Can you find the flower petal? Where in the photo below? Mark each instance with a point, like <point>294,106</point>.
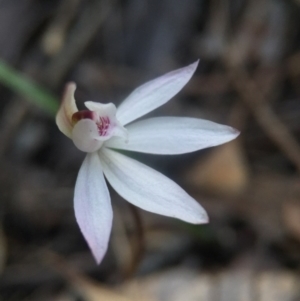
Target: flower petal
<point>101,109</point>
<point>67,109</point>
<point>153,94</point>
<point>92,206</point>
<point>86,137</point>
<point>149,189</point>
<point>173,135</point>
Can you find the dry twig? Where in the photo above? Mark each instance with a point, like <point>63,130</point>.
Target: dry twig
<point>275,129</point>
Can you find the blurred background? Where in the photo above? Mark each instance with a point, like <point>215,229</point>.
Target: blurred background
<point>248,77</point>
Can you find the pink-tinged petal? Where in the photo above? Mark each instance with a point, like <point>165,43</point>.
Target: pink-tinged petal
<point>154,94</point>
<point>85,136</point>
<point>67,109</point>
<point>173,135</point>
<point>148,189</point>
<point>92,206</point>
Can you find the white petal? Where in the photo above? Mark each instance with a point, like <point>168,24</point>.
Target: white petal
<point>102,109</point>
<point>92,206</point>
<point>173,135</point>
<point>86,137</point>
<point>153,94</point>
<point>67,109</point>
<point>149,189</point>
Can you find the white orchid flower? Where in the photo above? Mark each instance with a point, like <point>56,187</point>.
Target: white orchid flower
<point>103,129</point>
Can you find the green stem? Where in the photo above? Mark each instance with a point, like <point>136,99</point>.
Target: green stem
<point>23,86</point>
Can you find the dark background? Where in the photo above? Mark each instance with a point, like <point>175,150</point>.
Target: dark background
<point>248,77</point>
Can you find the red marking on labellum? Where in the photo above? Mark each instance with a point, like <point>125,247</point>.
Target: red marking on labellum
<point>103,125</point>
<point>86,114</point>
<point>103,122</point>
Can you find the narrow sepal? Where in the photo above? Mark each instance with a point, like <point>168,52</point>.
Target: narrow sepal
<point>154,94</point>
<point>173,135</point>
<point>92,206</point>
<point>148,189</point>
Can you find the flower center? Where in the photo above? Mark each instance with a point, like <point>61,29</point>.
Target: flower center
<point>103,122</point>
<point>103,125</point>
<point>92,127</point>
